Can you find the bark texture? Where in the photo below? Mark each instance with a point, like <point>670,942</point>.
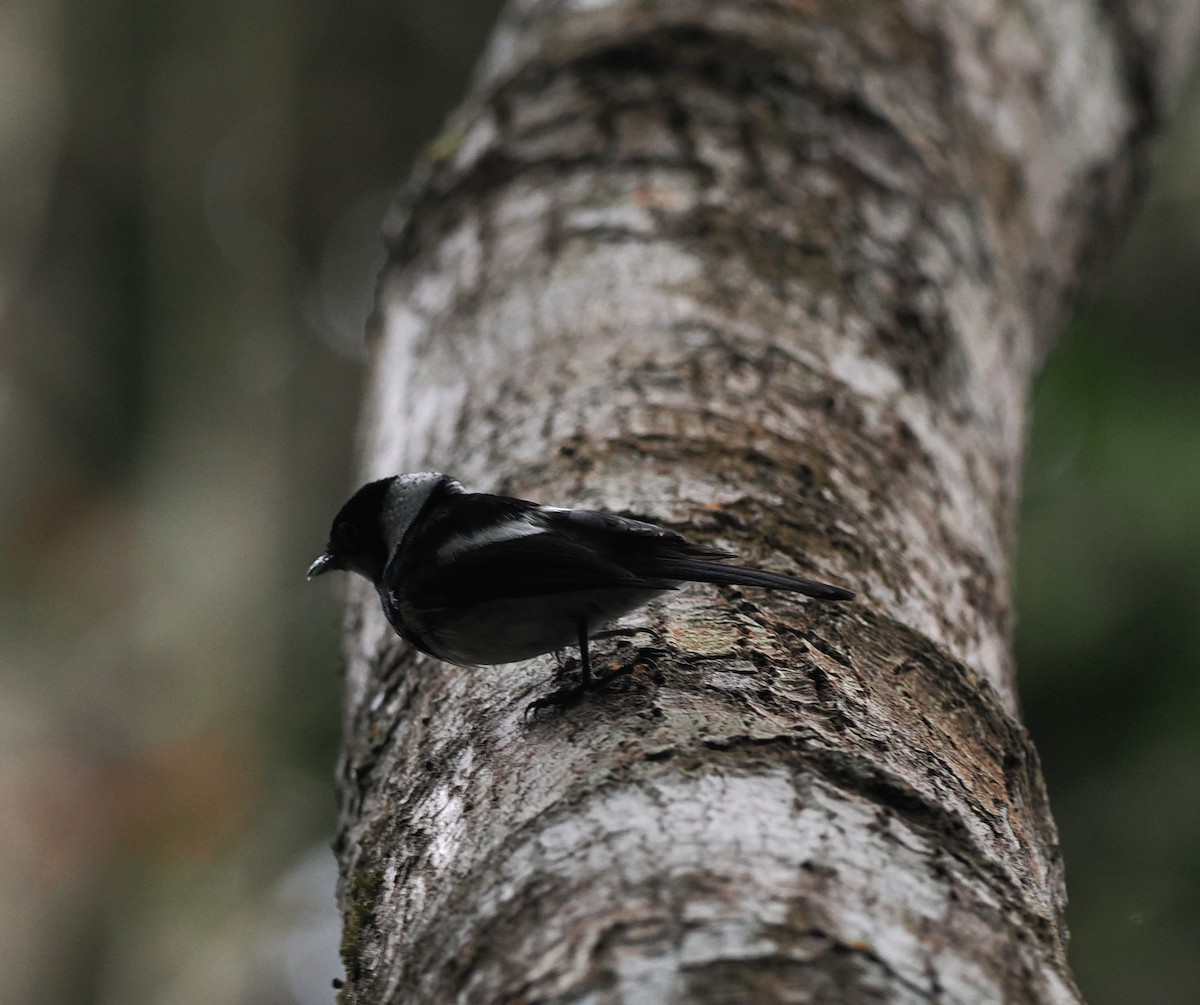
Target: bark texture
<point>778,275</point>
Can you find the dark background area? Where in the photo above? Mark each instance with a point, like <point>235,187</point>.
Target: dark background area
<point>189,203</point>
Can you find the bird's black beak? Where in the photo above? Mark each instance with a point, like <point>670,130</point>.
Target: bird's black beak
<point>323,563</point>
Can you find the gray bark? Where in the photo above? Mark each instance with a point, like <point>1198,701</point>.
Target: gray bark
<point>777,275</point>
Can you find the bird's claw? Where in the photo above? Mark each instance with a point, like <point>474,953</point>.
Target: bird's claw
<point>564,697</point>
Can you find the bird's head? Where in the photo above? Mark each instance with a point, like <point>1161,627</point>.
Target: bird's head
<point>371,525</point>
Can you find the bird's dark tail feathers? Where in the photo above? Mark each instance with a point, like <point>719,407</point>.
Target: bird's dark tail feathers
<point>738,575</point>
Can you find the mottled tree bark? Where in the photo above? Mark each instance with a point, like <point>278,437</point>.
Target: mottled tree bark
<point>778,275</point>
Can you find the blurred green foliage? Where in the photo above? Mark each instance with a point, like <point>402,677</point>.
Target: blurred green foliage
<point>1108,598</point>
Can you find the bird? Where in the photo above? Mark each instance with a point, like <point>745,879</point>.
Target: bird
<point>474,579</point>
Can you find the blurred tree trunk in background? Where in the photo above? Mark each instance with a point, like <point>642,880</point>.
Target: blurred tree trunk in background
<point>779,276</point>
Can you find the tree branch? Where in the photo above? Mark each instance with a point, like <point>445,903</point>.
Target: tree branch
<point>779,275</point>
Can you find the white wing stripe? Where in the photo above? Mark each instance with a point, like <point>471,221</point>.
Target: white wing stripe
<point>510,531</point>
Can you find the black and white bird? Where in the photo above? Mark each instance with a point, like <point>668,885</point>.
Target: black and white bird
<point>476,579</point>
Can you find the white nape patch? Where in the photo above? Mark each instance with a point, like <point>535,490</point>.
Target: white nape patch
<point>508,531</point>
<point>405,497</point>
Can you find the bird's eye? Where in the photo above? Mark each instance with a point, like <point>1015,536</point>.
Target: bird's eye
<point>346,536</point>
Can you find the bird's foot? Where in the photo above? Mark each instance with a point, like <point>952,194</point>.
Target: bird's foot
<point>572,694</point>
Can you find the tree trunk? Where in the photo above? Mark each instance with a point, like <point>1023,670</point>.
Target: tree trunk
<point>777,275</point>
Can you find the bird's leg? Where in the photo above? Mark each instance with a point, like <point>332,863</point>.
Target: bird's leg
<point>563,665</point>
<point>585,662</point>
<point>587,680</point>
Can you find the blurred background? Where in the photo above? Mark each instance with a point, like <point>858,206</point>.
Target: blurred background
<point>189,202</point>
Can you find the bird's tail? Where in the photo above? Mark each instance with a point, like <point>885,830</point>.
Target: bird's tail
<point>695,571</point>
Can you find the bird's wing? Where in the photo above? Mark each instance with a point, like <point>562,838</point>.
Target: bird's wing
<point>505,562</point>
<point>620,536</point>
<point>653,552</point>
